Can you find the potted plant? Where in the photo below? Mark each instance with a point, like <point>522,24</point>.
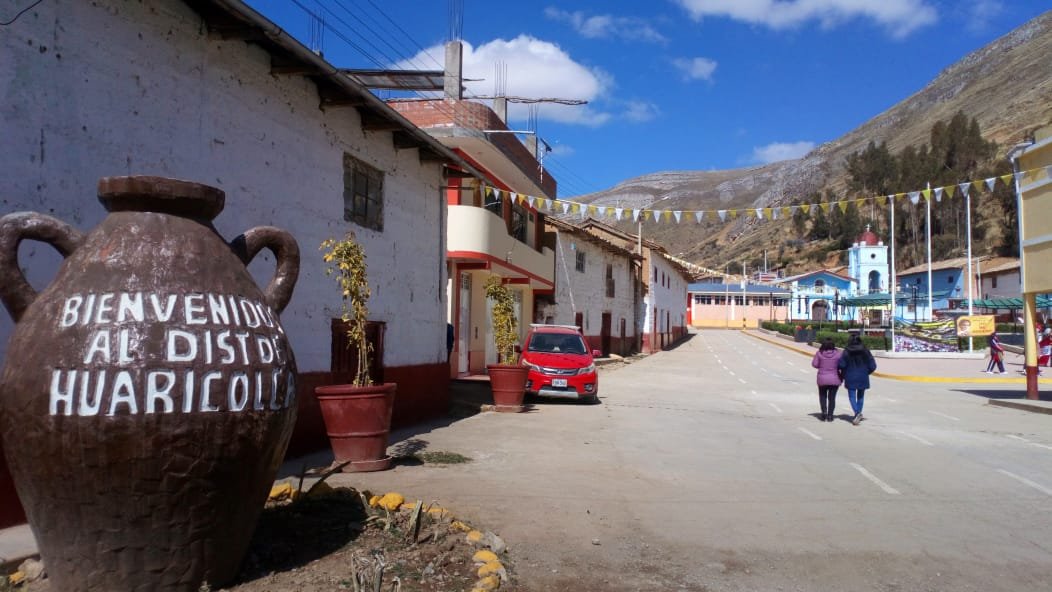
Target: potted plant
<point>357,415</point>
<point>507,377</point>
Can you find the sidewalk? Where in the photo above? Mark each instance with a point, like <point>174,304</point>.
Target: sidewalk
<point>960,368</point>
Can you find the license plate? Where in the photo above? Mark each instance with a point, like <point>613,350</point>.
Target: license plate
<point>558,382</point>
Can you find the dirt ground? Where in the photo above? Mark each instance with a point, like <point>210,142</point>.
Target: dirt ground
<point>326,541</point>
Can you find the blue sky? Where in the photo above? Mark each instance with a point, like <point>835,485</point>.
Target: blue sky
<point>670,84</point>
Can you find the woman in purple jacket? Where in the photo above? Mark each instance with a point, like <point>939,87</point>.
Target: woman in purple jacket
<point>826,359</point>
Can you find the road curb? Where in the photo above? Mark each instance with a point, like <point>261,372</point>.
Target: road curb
<point>907,378</point>
<point>1022,405</point>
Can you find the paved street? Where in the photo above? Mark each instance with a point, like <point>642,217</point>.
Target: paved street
<point>705,468</point>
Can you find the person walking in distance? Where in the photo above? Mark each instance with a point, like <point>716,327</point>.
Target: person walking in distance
<point>826,359</point>
<point>997,353</point>
<point>1044,355</point>
<point>856,364</point>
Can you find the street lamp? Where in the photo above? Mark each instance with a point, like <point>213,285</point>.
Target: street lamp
<point>836,308</point>
<point>915,287</point>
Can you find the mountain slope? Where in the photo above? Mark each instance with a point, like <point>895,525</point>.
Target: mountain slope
<point>1005,85</point>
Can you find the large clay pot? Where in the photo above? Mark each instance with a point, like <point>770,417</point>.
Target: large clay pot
<point>508,384</point>
<point>358,422</point>
<point>148,393</point>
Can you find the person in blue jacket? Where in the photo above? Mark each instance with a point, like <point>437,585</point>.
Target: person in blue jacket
<point>855,365</point>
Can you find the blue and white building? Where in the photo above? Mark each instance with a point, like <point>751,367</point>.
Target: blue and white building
<point>818,295</point>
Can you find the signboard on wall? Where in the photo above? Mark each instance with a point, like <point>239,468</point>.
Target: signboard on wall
<point>975,325</point>
<point>1035,212</point>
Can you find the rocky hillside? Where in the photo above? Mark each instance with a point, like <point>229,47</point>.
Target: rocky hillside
<point>1006,86</point>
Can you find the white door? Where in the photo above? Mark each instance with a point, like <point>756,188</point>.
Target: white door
<point>464,342</point>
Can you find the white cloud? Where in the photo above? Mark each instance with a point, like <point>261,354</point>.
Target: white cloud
<point>980,13</point>
<point>601,26</point>
<point>695,68</point>
<point>640,111</point>
<point>778,151</point>
<point>899,17</point>
<point>535,69</point>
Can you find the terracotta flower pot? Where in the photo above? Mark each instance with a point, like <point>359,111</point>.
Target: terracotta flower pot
<point>358,422</point>
<point>509,386</point>
<point>148,393</point>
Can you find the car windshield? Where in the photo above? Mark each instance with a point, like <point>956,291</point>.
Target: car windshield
<point>556,343</point>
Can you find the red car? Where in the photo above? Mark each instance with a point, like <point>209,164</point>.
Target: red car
<point>560,363</point>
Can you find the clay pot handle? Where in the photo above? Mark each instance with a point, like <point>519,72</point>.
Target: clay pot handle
<point>16,293</point>
<point>287,252</point>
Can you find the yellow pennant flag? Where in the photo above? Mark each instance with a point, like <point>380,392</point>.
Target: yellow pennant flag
<point>646,215</point>
<point>824,206</point>
<point>575,208</point>
<point>733,213</point>
<point>882,200</point>
<point>1007,178</point>
<point>950,190</point>
<point>787,211</point>
<point>926,193</point>
<point>842,205</point>
<point>591,210</point>
<point>668,215</point>
<point>541,202</point>
<point>767,213</point>
<point>806,208</point>
<point>900,195</point>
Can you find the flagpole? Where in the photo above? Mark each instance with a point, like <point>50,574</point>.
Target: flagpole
<point>927,225</point>
<point>971,279</point>
<point>894,282</point>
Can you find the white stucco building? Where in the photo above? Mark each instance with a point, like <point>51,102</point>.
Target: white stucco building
<point>211,91</point>
<point>596,289</point>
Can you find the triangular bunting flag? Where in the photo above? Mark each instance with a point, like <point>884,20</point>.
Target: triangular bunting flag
<point>678,214</point>
<point>1021,176</point>
<point>914,197</point>
<point>1007,178</point>
<point>609,213</point>
<point>787,211</point>
<point>592,211</point>
<point>722,214</point>
<point>990,183</point>
<point>575,207</point>
<point>635,215</point>
<point>487,193</point>
<point>768,213</point>
<point>618,212</point>
<point>530,200</point>
<point>566,206</point>
<point>732,213</point>
<point>806,208</point>
<point>951,190</point>
<point>646,215</point>
<point>842,205</point>
<point>793,210</point>
<point>938,194</point>
<point>882,200</point>
<point>926,193</point>
<point>965,187</point>
<point>667,214</point>
<point>545,203</point>
<point>759,213</point>
<point>824,206</point>
<point>699,215</point>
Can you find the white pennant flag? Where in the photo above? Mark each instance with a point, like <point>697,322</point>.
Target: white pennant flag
<point>722,214</point>
<point>759,213</point>
<point>530,199</point>
<point>990,183</point>
<point>1019,176</point>
<point>793,209</point>
<point>914,197</point>
<point>965,187</point>
<point>635,215</point>
<point>774,213</point>
<point>677,214</point>
<point>566,206</point>
<point>938,194</point>
<point>618,212</point>
<point>699,215</point>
